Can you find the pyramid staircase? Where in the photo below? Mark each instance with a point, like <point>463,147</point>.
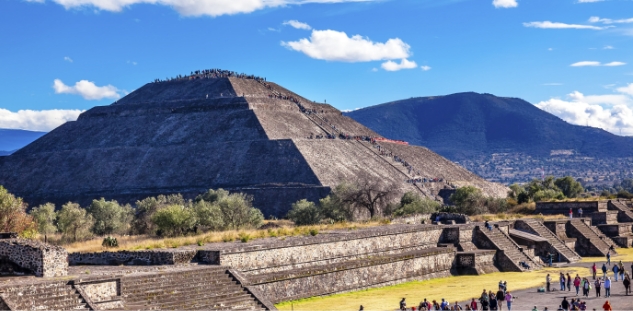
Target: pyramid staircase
<point>200,289</point>
<point>600,242</point>
<point>513,252</point>
<point>538,228</point>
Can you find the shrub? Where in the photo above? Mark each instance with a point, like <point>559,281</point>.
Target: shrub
<point>13,216</point>
<point>174,220</point>
<point>314,232</point>
<point>74,222</point>
<point>244,237</point>
<point>146,208</point>
<point>468,200</point>
<point>110,217</point>
<point>412,203</point>
<point>209,215</point>
<point>110,241</point>
<point>304,213</point>
<point>44,216</point>
<point>238,211</point>
<point>548,194</point>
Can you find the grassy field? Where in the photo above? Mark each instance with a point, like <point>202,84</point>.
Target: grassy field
<point>456,288</point>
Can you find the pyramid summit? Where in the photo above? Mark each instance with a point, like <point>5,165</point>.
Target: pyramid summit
<point>219,129</point>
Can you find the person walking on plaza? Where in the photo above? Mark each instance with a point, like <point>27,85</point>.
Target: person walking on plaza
<point>501,297</point>
<point>568,282</point>
<point>607,287</point>
<point>586,286</point>
<point>607,306</point>
<point>509,300</point>
<point>473,305</point>
<point>615,272</point>
<point>598,285</point>
<point>571,214</point>
<point>604,270</point>
<point>403,304</point>
<point>627,284</point>
<point>609,257</point>
<point>577,284</point>
<point>580,212</point>
<point>594,270</point>
<point>562,281</point>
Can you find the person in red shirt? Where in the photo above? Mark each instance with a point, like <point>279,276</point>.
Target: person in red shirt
<point>473,305</point>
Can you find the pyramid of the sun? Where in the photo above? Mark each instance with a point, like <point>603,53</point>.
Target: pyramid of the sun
<point>186,136</point>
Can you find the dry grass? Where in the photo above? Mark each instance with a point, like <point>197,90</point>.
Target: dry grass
<point>456,288</point>
<point>624,255</point>
<point>510,216</point>
<point>142,242</point>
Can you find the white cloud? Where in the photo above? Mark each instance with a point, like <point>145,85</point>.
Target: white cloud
<point>34,120</point>
<point>297,24</point>
<point>614,64</point>
<point>332,45</point>
<point>608,47</point>
<point>193,7</point>
<point>555,25</point>
<point>374,69</point>
<point>68,59</point>
<point>425,68</point>
<point>596,19</point>
<point>609,112</point>
<point>597,64</point>
<point>404,64</point>
<point>586,64</point>
<point>87,89</point>
<point>589,1</point>
<point>505,3</point>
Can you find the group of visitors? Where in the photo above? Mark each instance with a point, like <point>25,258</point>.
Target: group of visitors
<point>212,74</point>
<point>488,300</point>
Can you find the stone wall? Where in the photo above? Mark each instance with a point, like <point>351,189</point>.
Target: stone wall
<point>603,218</point>
<point>475,262</point>
<point>35,257</point>
<point>564,207</point>
<point>134,258</point>
<point>616,229</point>
<point>293,252</point>
<point>434,264</point>
<point>557,227</point>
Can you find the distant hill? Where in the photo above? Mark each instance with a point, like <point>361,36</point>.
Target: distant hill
<point>12,140</point>
<point>471,127</point>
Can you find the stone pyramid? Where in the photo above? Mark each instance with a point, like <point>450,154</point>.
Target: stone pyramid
<point>217,130</point>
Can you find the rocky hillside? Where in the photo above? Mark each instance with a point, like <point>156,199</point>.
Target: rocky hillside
<point>499,138</point>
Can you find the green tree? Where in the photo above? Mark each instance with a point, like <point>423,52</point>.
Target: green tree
<point>304,213</point>
<point>74,222</point>
<point>412,203</point>
<point>146,208</point>
<point>547,194</point>
<point>238,211</point>
<point>44,215</point>
<point>208,215</point>
<point>110,217</point>
<point>468,200</point>
<point>174,220</point>
<point>213,196</point>
<point>13,216</point>
<point>570,187</point>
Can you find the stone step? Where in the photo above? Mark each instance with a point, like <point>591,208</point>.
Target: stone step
<point>180,283</point>
<point>187,274</point>
<point>189,303</point>
<point>175,291</point>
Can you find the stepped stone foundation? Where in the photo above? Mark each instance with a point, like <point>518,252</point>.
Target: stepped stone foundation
<point>550,208</point>
<point>604,218</point>
<point>34,257</point>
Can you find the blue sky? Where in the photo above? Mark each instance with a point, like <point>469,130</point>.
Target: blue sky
<point>572,58</point>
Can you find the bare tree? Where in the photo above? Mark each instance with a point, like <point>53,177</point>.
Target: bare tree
<point>371,195</point>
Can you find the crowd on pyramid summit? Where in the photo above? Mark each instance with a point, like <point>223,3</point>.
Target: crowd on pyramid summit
<point>212,74</point>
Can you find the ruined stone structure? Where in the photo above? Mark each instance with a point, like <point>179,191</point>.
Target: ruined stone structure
<point>188,136</point>
<point>22,256</point>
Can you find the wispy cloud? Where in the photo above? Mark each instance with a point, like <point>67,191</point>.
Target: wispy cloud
<point>68,59</point>
<point>505,3</point>
<point>36,120</point>
<point>425,68</point>
<point>393,66</point>
<point>87,89</point>
<point>596,64</point>
<point>596,19</point>
<point>193,7</point>
<point>297,24</point>
<point>608,47</point>
<point>332,45</point>
<point>589,1</point>
<point>556,25</point>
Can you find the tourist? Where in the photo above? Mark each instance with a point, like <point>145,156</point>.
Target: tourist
<point>604,271</point>
<point>501,297</point>
<point>473,305</point>
<point>444,305</point>
<point>568,282</point>
<point>565,304</point>
<point>562,281</point>
<point>403,304</point>
<point>586,286</point>
<point>627,284</point>
<point>606,306</point>
<point>607,287</point>
<point>631,268</point>
<point>436,305</point>
<point>548,282</point>
<point>493,304</point>
<point>361,308</point>
<point>598,285</point>
<point>580,212</point>
<point>484,304</point>
<point>560,308</point>
<point>457,306</point>
<point>594,270</point>
<point>577,284</point>
<point>509,300</point>
<point>609,257</point>
<point>424,305</point>
<point>535,308</point>
<point>488,226</point>
<point>615,270</point>
<point>571,214</point>
<point>621,270</point>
